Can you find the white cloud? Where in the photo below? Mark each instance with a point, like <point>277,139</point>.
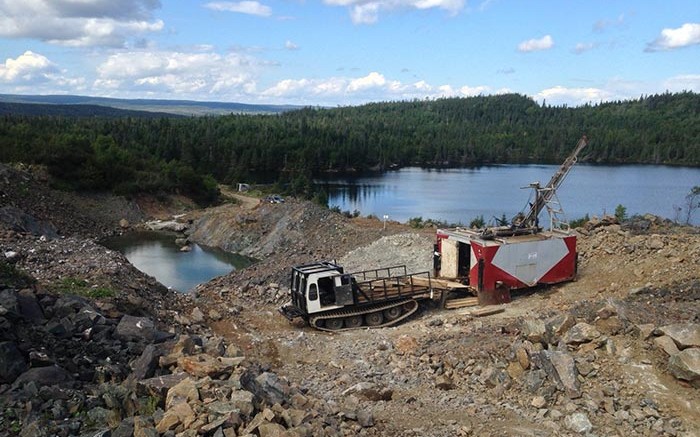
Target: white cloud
<point>78,22</point>
<point>367,11</point>
<point>243,7</point>
<point>194,75</point>
<point>356,90</point>
<point>365,14</point>
<point>485,4</point>
<point>602,25</point>
<point>469,91</point>
<point>34,73</point>
<point>289,45</point>
<point>583,47</point>
<point>26,68</point>
<point>670,39</point>
<point>534,45</point>
<point>372,80</point>
<point>684,82</point>
<point>560,95</point>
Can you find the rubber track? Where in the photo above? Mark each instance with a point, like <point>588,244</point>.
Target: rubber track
<point>348,313</point>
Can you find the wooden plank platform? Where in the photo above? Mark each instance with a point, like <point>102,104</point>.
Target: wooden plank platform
<point>481,312</point>
<point>461,303</point>
<point>443,284</point>
<point>487,311</point>
<point>379,292</point>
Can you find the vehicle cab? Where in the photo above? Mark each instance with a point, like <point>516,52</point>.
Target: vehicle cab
<point>320,287</point>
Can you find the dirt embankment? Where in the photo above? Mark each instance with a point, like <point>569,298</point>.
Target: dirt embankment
<point>603,355</point>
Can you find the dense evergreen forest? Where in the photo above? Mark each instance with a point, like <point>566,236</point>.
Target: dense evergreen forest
<point>70,110</point>
<point>132,154</point>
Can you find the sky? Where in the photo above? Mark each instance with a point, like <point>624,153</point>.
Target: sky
<point>349,52</point>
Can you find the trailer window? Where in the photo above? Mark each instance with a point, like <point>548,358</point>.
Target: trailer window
<point>313,292</point>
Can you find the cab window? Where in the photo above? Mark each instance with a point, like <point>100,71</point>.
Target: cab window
<point>313,292</point>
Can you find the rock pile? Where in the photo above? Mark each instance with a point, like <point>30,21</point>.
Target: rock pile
<point>67,367</point>
<point>568,364</point>
<point>659,258</point>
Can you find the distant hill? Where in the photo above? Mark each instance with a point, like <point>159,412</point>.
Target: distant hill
<point>75,110</point>
<point>178,107</point>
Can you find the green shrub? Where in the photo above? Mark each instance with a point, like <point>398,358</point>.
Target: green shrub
<point>416,222</point>
<point>620,213</point>
<point>579,222</point>
<point>478,222</point>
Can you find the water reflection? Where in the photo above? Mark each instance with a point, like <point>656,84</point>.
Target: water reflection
<point>459,195</point>
<point>156,254</point>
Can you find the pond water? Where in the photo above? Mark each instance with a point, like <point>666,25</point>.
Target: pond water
<point>156,254</point>
<point>460,195</point>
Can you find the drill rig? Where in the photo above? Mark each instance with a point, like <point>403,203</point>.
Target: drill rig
<point>520,254</point>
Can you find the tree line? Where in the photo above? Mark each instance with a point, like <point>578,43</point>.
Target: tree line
<point>189,155</point>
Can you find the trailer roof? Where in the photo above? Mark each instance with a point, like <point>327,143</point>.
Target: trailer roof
<point>466,235</point>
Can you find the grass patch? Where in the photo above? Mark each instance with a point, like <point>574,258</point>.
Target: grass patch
<point>80,287</point>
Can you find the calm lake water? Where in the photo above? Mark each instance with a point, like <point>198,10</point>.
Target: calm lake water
<point>156,254</point>
<point>459,195</point>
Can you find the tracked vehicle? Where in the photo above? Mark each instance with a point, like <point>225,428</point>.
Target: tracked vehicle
<point>329,299</point>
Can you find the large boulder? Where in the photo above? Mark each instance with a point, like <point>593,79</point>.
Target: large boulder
<point>49,375</point>
<point>145,365</point>
<point>29,307</point>
<point>184,391</point>
<point>135,328</point>
<point>179,414</point>
<point>666,344</point>
<point>370,391</point>
<point>266,386</point>
<point>534,330</point>
<point>685,335</point>
<point>559,325</point>
<point>9,304</point>
<point>242,400</point>
<point>581,333</point>
<point>578,423</point>
<point>561,366</point>
<point>685,365</point>
<point>12,362</point>
<point>158,386</point>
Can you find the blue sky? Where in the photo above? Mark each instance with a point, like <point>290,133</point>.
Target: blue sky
<point>347,52</point>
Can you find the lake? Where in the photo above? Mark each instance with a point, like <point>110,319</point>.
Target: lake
<point>156,254</point>
<point>460,195</point>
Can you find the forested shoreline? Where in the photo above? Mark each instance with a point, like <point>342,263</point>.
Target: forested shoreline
<point>189,155</point>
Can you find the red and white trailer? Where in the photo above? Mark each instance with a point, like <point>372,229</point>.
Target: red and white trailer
<point>492,263</point>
